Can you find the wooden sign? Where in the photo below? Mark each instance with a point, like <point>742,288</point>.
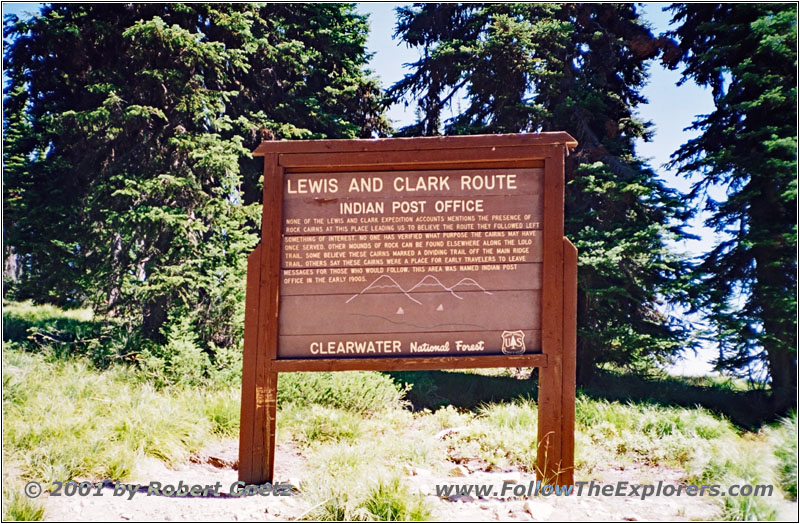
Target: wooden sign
<point>412,253</point>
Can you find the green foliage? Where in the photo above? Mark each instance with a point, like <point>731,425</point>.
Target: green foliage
<point>786,453</point>
<point>19,507</point>
<point>747,460</point>
<point>64,420</point>
<point>180,360</point>
<point>577,68</point>
<point>747,509</point>
<point>386,500</point>
<point>498,435</point>
<point>59,333</point>
<point>356,391</point>
<point>747,54</point>
<point>222,408</point>
<point>128,183</point>
<point>731,398</point>
<point>390,501</point>
<point>707,447</point>
<point>649,433</point>
<point>20,318</point>
<point>434,389</point>
<point>355,460</point>
<point>322,424</point>
<point>105,421</point>
<point>360,480</point>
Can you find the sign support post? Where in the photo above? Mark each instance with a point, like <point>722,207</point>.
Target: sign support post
<point>352,229</point>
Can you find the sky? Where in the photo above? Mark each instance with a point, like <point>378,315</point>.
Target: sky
<point>671,109</point>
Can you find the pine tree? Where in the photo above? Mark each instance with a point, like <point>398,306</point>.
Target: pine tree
<point>747,54</point>
<point>577,68</point>
<point>129,184</point>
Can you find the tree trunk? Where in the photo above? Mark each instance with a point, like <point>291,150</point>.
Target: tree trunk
<point>585,356</point>
<point>11,268</point>
<point>154,315</point>
<point>774,284</point>
<point>783,371</point>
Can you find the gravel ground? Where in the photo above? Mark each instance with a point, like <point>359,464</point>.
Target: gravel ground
<point>218,463</point>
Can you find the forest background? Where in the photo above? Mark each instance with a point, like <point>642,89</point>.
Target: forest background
<point>129,188</point>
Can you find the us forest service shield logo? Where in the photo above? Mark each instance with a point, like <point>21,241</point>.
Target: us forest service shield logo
<point>513,342</point>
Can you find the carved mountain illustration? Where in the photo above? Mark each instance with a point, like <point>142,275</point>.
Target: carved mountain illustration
<point>429,282</point>
<point>383,282</point>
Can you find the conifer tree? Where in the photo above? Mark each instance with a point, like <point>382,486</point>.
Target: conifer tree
<point>128,182</point>
<point>747,54</point>
<point>577,68</point>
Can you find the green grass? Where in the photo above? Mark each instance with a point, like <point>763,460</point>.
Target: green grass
<point>384,500</point>
<point>463,389</point>
<point>362,480</point>
<point>497,436</point>
<point>356,460</point>
<point>748,409</point>
<point>646,433</point>
<point>65,420</point>
<point>17,506</point>
<point>355,391</point>
<point>357,434</point>
<point>65,417</point>
<point>19,316</point>
<point>785,445</point>
<point>60,333</point>
<point>390,500</point>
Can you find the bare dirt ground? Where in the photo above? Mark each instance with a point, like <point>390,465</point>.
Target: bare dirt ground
<point>217,464</point>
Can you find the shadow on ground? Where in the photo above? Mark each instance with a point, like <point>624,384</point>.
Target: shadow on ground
<point>433,389</point>
<point>747,409</point>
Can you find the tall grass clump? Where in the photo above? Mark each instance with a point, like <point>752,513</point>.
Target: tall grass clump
<point>309,425</point>
<point>357,460</point>
<point>385,500</point>
<point>358,481</point>
<point>501,435</point>
<point>356,391</point>
<point>17,506</point>
<point>785,436</point>
<point>65,420</point>
<point>390,500</point>
<point>645,433</point>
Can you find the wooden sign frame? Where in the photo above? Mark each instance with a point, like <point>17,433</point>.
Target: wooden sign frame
<point>556,362</point>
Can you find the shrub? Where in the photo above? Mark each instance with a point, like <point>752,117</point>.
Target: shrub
<point>358,391</point>
<point>180,360</point>
<point>62,334</point>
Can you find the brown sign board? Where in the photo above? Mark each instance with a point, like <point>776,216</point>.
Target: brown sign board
<point>418,253</point>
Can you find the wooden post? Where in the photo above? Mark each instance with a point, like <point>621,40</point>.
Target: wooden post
<point>259,377</point>
<point>549,459</point>
<point>567,467</point>
<point>555,458</point>
<point>249,356</point>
